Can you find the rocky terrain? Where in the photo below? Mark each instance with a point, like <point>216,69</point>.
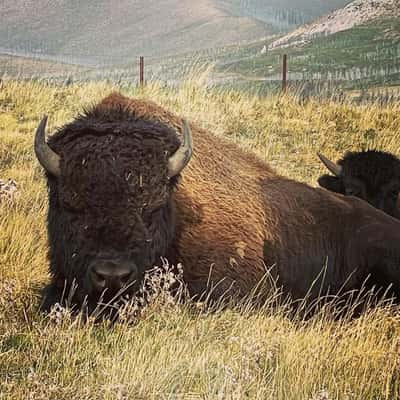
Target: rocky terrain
<point>356,13</point>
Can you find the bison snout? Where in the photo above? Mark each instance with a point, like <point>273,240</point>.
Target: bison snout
<point>111,276</point>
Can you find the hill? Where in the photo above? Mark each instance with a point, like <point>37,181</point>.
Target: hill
<point>95,32</point>
<point>107,32</point>
<point>356,13</point>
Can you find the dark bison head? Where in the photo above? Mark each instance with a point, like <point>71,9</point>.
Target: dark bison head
<point>110,212</point>
<point>373,176</point>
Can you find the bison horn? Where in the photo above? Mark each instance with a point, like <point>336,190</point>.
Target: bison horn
<point>178,161</point>
<point>49,160</point>
<point>333,167</point>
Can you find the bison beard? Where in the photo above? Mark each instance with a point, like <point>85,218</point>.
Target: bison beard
<point>116,206</point>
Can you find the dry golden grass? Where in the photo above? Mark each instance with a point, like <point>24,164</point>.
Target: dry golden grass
<point>175,352</point>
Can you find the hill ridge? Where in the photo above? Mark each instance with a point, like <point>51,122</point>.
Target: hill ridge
<point>356,13</point>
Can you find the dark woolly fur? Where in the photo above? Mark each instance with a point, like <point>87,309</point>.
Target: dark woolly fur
<point>228,219</point>
<point>371,175</point>
<point>373,166</point>
<point>113,195</point>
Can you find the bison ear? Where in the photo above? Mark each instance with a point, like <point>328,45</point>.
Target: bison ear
<point>332,183</point>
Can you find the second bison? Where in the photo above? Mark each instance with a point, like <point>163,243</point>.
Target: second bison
<point>371,175</point>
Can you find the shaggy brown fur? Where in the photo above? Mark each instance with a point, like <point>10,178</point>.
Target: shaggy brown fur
<point>229,217</point>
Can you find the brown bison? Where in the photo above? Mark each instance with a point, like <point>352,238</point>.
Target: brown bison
<point>125,190</point>
<point>372,175</point>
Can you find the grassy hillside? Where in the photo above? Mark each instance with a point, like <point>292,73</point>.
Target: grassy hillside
<point>362,56</point>
<point>182,351</point>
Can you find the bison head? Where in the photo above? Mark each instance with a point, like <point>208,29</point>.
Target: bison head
<point>110,211</point>
<point>373,176</point>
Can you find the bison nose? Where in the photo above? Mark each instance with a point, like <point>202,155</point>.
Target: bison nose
<point>111,275</point>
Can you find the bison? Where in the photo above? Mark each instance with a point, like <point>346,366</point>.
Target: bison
<point>130,182</point>
<point>372,175</point>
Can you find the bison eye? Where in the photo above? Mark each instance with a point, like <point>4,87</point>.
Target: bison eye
<point>394,194</point>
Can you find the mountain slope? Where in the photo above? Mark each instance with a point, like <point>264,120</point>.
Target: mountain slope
<point>356,13</point>
<point>112,32</point>
<point>109,32</point>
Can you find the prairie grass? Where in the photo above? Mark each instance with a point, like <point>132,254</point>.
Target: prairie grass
<point>180,351</point>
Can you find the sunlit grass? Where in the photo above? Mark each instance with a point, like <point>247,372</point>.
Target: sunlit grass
<point>180,352</point>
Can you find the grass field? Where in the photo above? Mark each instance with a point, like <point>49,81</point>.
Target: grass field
<point>179,351</point>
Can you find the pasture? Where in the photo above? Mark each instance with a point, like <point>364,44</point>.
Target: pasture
<point>182,351</point>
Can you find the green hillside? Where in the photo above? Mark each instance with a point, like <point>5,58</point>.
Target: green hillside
<point>362,56</point>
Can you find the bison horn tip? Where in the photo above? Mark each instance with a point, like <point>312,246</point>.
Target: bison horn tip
<point>178,161</point>
<point>330,165</point>
<point>49,159</point>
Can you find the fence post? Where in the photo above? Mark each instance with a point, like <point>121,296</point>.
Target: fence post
<point>284,74</point>
<point>141,71</point>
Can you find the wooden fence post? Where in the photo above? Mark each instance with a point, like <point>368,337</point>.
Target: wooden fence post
<point>284,74</point>
<point>141,71</point>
